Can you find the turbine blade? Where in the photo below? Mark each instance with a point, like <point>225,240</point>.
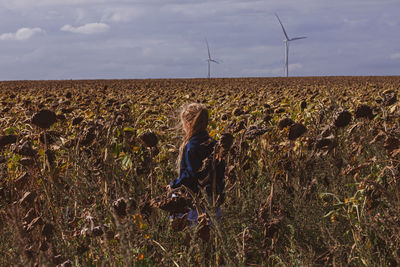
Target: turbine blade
<point>298,38</point>
<point>212,60</point>
<point>283,28</point>
<point>208,49</point>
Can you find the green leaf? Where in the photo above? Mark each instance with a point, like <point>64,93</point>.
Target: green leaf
<point>352,184</point>
<point>129,129</point>
<point>329,213</point>
<point>126,161</point>
<point>10,130</point>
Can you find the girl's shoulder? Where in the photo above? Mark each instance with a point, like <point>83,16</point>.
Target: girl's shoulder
<point>204,143</point>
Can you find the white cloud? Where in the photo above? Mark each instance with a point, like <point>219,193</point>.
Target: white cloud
<point>90,28</point>
<point>395,56</point>
<point>295,66</point>
<point>21,34</point>
<point>122,14</point>
<point>32,3</point>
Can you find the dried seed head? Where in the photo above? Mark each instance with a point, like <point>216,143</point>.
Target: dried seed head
<point>296,130</point>
<point>389,98</point>
<point>267,118</point>
<point>148,138</point>
<point>97,231</point>
<point>364,111</point>
<point>7,140</point>
<point>44,119</point>
<point>342,119</point>
<point>88,136</point>
<point>237,112</point>
<point>226,140</point>
<point>120,207</point>
<point>178,224</point>
<point>285,123</point>
<point>204,228</point>
<point>77,120</point>
<point>181,203</point>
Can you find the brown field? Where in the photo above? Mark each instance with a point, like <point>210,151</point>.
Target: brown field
<point>312,177</point>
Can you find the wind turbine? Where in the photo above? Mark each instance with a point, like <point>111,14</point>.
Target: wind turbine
<point>287,40</point>
<point>209,60</point>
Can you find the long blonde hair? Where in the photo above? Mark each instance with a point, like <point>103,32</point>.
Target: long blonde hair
<point>195,117</point>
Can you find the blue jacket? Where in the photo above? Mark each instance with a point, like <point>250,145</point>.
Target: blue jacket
<point>199,147</point>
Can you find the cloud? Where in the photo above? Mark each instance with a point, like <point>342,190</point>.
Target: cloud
<point>395,56</point>
<point>122,14</point>
<point>90,28</point>
<point>31,3</point>
<point>21,34</point>
<point>295,66</point>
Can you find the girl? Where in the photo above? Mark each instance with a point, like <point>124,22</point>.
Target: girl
<point>197,146</point>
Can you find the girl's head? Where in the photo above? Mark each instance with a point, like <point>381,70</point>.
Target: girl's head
<point>194,118</point>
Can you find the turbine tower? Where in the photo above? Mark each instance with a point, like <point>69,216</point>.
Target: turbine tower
<point>287,40</point>
<point>209,60</point>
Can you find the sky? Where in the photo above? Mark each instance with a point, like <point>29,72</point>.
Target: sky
<point>128,39</point>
